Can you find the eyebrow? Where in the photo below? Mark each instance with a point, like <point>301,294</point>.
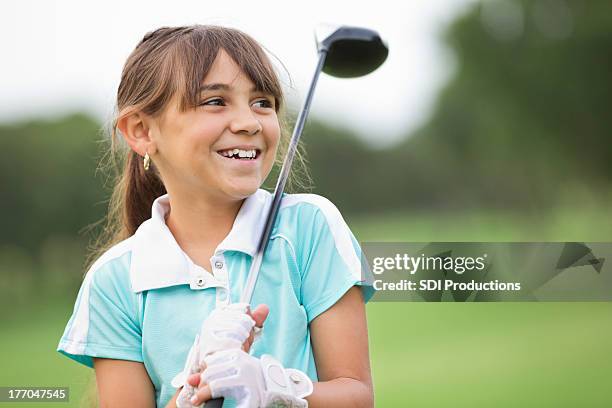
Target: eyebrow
<point>219,86</point>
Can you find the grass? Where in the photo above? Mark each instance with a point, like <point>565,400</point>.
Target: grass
<point>491,354</point>
<point>422,354</point>
<point>29,339</point>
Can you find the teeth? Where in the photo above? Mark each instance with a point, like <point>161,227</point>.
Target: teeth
<point>238,152</point>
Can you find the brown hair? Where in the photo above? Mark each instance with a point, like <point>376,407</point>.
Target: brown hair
<point>169,61</point>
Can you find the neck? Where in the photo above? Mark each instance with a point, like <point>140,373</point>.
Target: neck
<point>199,221</point>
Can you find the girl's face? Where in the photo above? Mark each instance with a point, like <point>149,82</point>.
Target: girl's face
<point>232,119</point>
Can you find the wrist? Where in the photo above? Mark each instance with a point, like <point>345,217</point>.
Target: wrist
<point>229,373</point>
<point>172,402</point>
<point>284,383</point>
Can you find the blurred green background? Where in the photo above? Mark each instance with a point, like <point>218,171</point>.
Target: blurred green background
<point>516,150</point>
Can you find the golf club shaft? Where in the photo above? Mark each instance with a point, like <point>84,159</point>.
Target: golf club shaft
<point>247,293</point>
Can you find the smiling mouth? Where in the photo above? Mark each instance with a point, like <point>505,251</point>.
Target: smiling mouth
<point>237,154</point>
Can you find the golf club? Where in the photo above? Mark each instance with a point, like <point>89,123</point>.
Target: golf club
<point>348,52</point>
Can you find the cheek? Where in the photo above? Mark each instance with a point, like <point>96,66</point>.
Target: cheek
<point>272,144</point>
<point>273,135</point>
<point>202,137</point>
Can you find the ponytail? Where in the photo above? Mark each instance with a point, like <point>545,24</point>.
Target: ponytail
<point>133,193</point>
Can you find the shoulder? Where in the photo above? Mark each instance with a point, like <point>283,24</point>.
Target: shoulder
<point>107,287</point>
<point>106,318</point>
<point>308,200</point>
<point>309,220</point>
<point>111,269</point>
<point>308,208</point>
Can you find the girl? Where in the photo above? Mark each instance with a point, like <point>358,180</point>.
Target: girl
<point>201,110</point>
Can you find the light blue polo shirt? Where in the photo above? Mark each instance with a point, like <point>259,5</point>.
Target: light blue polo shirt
<point>144,299</point>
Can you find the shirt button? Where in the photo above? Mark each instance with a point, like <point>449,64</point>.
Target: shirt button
<point>200,281</point>
<point>218,264</point>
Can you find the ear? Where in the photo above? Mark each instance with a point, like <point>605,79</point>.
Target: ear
<point>135,128</point>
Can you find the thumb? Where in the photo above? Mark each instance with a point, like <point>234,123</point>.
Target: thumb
<point>260,314</point>
<point>194,379</point>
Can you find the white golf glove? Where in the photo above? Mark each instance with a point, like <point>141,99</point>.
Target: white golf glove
<point>227,327</point>
<point>255,382</point>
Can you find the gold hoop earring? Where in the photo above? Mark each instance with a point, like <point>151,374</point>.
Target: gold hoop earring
<point>147,161</point>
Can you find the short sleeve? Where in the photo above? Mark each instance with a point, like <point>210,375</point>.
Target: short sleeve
<point>331,261</point>
<point>104,322</point>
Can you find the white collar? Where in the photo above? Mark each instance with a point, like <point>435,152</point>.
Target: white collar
<point>158,261</point>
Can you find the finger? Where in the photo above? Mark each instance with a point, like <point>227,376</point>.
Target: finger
<point>193,380</point>
<point>249,340</point>
<point>202,395</point>
<point>243,319</point>
<point>218,357</point>
<point>232,331</point>
<point>260,314</point>
<point>218,371</point>
<point>246,346</point>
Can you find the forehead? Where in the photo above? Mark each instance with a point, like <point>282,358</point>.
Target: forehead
<point>224,70</point>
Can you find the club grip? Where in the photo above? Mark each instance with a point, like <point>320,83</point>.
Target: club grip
<point>214,403</point>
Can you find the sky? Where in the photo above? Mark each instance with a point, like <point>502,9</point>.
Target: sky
<point>64,56</point>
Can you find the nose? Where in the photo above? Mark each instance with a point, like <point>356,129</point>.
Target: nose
<point>245,121</point>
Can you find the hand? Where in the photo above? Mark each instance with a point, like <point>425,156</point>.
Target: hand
<point>225,328</point>
<point>252,382</point>
<point>260,314</point>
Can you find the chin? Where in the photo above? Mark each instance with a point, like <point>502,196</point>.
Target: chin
<point>242,190</point>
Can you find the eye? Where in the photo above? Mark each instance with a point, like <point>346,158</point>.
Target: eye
<point>265,103</point>
<point>214,102</point>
